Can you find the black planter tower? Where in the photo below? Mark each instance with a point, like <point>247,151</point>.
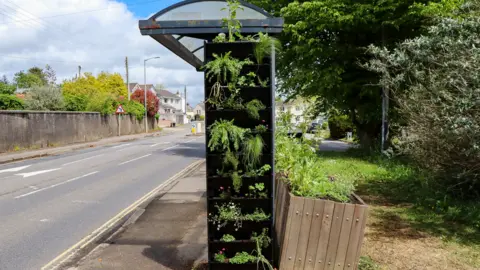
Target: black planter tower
<point>215,183</point>
<point>187,29</point>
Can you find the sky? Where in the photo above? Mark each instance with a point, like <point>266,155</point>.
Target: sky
<point>95,34</point>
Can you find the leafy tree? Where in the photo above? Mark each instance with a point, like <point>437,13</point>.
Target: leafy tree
<point>153,102</point>
<point>44,98</point>
<point>27,80</point>
<point>339,125</point>
<point>10,102</point>
<point>434,79</point>
<point>134,108</point>
<point>39,73</point>
<point>5,87</point>
<point>90,85</point>
<point>325,40</point>
<point>50,75</point>
<point>104,103</point>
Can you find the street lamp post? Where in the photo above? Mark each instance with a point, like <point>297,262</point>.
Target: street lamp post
<point>145,89</point>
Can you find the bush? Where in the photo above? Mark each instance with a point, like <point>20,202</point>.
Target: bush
<point>134,108</point>
<point>103,103</point>
<point>153,102</point>
<point>7,89</point>
<point>10,102</point>
<point>75,103</point>
<point>202,117</point>
<point>339,125</point>
<point>44,98</point>
<point>434,79</point>
<point>325,125</point>
<point>157,116</point>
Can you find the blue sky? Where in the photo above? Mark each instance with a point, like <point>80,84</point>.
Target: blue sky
<point>143,8</point>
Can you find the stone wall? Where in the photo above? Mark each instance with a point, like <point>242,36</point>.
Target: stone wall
<point>31,129</point>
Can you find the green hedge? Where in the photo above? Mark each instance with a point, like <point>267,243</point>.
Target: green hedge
<point>10,102</point>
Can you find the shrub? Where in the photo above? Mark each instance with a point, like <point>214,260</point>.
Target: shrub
<point>44,98</point>
<point>134,108</point>
<point>339,125</point>
<point>10,102</point>
<point>202,117</point>
<point>75,103</point>
<point>153,102</point>
<point>434,80</point>
<point>157,116</point>
<point>103,103</point>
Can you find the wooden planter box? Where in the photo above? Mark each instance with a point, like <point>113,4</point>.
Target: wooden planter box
<point>317,234</point>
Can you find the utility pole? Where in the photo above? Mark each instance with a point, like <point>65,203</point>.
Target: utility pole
<point>79,72</point>
<point>185,94</point>
<point>126,69</point>
<point>145,89</point>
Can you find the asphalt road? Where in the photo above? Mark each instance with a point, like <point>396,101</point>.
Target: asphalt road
<point>49,204</point>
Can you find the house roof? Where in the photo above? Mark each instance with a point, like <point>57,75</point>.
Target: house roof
<point>189,108</point>
<point>166,93</point>
<point>149,86</point>
<point>202,105</point>
<point>131,86</point>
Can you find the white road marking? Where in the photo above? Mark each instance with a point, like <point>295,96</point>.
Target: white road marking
<point>168,148</point>
<point>25,175</point>
<point>33,187</point>
<point>153,145</point>
<point>81,160</point>
<point>191,140</point>
<point>54,185</point>
<point>121,145</point>
<point>15,169</point>
<point>134,159</point>
<point>126,148</point>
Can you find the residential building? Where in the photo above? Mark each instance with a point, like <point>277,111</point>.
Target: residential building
<point>132,87</point>
<point>298,109</point>
<point>190,112</point>
<point>172,106</point>
<point>199,110</point>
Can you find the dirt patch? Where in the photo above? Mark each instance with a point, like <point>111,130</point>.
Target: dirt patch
<point>394,244</point>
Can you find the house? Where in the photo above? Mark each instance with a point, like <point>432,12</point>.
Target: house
<point>298,108</point>
<point>172,107</point>
<point>199,110</point>
<point>190,113</point>
<point>132,87</point>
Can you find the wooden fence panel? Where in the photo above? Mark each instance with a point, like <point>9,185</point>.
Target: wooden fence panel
<point>314,234</point>
<point>296,205</point>
<point>355,236</point>
<point>304,234</point>
<point>320,259</point>
<point>344,236</point>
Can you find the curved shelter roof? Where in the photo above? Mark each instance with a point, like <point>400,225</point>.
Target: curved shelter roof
<point>184,27</point>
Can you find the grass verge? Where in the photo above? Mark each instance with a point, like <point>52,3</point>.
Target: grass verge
<point>412,224</point>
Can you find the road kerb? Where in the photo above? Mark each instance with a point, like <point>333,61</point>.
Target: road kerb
<point>113,223</point>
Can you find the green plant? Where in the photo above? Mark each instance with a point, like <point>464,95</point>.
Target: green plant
<point>252,151</point>
<point>220,257</point>
<point>366,263</point>
<point>262,241</point>
<point>257,191</point>
<point>242,258</point>
<point>44,98</point>
<point>10,102</point>
<point>225,136</point>
<point>263,83</point>
<point>237,181</point>
<point>264,46</point>
<point>227,238</point>
<point>157,116</point>
<point>231,23</point>
<point>231,212</point>
<point>253,107</point>
<point>248,80</point>
<point>224,68</point>
<point>261,129</point>
<point>75,103</point>
<point>259,172</point>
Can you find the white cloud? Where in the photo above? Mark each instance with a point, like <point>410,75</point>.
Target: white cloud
<point>97,41</point>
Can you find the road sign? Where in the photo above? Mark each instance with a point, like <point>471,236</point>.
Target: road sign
<point>120,110</point>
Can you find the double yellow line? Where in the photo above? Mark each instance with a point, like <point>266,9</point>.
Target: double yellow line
<point>113,222</point>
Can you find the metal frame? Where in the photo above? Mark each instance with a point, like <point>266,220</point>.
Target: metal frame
<point>162,31</point>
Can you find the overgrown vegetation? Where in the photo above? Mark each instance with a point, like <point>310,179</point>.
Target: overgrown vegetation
<point>434,81</point>
<point>307,174</point>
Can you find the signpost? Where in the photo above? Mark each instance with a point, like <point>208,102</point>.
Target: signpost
<point>119,111</point>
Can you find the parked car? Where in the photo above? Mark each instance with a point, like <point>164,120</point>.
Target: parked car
<point>313,127</point>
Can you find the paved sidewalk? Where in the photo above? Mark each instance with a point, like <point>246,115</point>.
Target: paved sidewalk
<point>170,234</point>
<point>10,157</point>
